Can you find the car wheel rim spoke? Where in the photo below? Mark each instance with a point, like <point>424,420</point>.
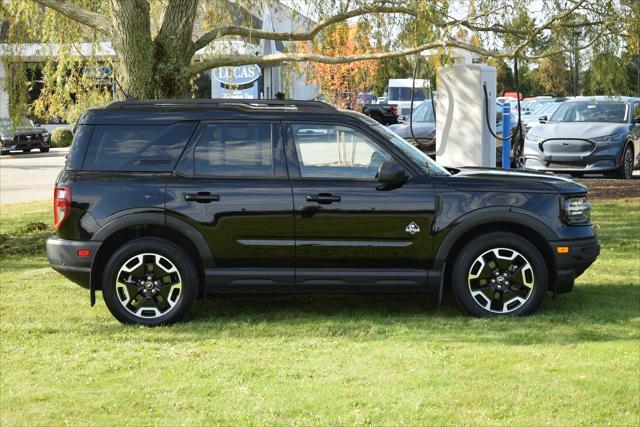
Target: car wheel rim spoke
<point>501,280</point>
<point>148,285</point>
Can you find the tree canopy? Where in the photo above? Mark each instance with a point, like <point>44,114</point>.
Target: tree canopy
<point>159,46</point>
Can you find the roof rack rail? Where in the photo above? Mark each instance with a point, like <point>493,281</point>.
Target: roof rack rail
<point>243,104</point>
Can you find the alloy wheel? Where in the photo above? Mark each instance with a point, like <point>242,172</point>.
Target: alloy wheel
<point>628,163</point>
<point>501,280</point>
<point>148,285</point>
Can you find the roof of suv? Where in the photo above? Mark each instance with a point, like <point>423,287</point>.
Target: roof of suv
<point>161,111</point>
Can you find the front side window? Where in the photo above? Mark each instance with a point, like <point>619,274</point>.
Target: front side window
<point>241,149</point>
<point>328,151</point>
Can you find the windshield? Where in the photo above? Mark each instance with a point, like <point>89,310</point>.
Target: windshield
<point>424,113</point>
<point>404,94</point>
<point>22,123</point>
<point>424,162</point>
<point>591,111</point>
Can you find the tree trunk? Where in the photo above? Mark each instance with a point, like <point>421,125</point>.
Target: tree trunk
<point>131,39</point>
<point>173,49</point>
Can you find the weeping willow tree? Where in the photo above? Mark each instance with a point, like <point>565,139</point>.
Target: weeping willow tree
<point>157,47</point>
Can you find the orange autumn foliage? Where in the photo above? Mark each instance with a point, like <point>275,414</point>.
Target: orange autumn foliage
<point>341,83</point>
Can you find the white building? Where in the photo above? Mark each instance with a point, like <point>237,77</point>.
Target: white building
<point>249,81</point>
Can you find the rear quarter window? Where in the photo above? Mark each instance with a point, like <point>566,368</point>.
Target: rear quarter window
<point>81,137</point>
<point>137,148</point>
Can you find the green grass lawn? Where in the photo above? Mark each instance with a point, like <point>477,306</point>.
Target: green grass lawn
<point>320,359</point>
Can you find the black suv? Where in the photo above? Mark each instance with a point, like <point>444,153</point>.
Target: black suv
<point>162,202</point>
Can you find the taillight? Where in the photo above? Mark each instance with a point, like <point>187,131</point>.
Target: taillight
<point>394,110</point>
<point>61,205</point>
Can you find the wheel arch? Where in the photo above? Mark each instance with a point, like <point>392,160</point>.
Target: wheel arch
<point>521,224</point>
<point>117,232</point>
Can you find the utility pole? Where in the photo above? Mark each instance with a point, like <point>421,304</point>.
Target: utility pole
<point>576,61</point>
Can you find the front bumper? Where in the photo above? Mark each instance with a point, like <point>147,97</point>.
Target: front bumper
<point>569,266</point>
<point>572,155</point>
<point>63,257</point>
<point>32,144</point>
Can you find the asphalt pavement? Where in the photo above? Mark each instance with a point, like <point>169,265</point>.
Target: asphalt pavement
<point>26,177</point>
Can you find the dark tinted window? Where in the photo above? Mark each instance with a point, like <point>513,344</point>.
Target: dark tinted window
<point>404,94</point>
<point>78,147</point>
<point>234,150</point>
<point>137,147</point>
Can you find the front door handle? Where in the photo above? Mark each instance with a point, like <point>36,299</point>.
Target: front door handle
<point>323,198</point>
<point>201,197</point>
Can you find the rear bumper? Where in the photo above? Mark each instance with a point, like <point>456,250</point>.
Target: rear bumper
<point>569,266</point>
<point>63,257</point>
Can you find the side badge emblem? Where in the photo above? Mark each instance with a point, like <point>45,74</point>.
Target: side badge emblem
<point>412,228</point>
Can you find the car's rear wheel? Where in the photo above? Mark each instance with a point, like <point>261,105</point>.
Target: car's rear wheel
<point>44,150</point>
<point>28,150</point>
<point>149,281</point>
<point>625,170</point>
<point>4,152</point>
<point>499,274</point>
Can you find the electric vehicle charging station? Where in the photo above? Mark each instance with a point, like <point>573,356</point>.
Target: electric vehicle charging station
<point>462,133</point>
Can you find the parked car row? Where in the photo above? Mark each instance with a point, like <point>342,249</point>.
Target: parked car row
<point>577,136</point>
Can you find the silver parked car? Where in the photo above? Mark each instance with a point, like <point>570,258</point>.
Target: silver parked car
<point>599,134</point>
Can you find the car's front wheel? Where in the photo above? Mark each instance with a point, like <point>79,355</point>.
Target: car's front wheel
<point>149,281</point>
<point>44,149</point>
<point>499,274</point>
<point>625,170</point>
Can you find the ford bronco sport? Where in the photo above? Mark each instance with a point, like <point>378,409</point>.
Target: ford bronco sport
<point>163,202</point>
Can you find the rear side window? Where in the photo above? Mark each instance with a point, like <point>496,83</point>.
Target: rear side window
<point>235,150</point>
<point>137,148</point>
<point>81,137</point>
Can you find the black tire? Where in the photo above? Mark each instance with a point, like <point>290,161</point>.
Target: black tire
<point>187,275</point>
<point>625,170</point>
<point>44,150</point>
<point>28,150</point>
<point>4,152</point>
<point>462,283</point>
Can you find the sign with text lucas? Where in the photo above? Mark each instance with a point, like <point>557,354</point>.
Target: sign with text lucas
<point>235,82</point>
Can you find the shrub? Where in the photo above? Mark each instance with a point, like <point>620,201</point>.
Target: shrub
<point>61,137</point>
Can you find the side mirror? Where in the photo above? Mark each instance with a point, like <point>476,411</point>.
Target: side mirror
<point>543,119</point>
<point>391,174</point>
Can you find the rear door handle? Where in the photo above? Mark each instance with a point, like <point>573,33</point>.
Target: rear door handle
<point>201,197</point>
<point>323,198</point>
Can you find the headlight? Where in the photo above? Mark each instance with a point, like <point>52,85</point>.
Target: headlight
<point>577,211</point>
<point>609,138</point>
<point>533,138</point>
